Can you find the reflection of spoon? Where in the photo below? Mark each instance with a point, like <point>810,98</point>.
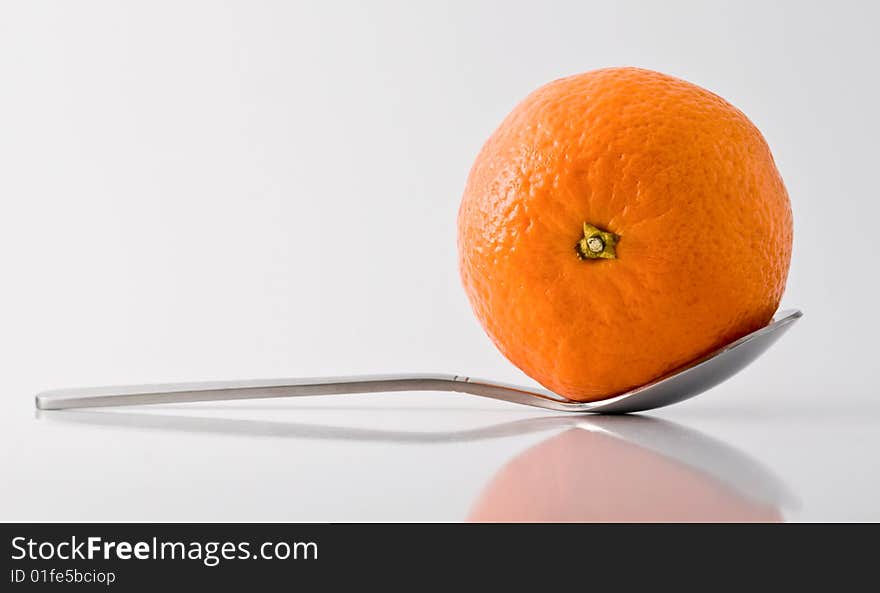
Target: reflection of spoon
<point>683,383</point>
<point>694,453</point>
<point>631,469</point>
<point>296,430</point>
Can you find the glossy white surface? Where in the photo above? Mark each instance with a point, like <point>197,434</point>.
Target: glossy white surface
<point>196,191</point>
<point>427,457</point>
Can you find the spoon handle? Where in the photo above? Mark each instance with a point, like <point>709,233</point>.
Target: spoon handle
<point>173,393</point>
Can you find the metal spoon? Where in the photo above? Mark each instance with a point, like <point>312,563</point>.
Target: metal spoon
<point>681,384</point>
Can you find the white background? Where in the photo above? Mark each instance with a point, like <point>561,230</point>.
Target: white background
<point>212,190</point>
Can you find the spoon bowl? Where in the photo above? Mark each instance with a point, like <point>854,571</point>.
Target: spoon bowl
<point>681,384</point>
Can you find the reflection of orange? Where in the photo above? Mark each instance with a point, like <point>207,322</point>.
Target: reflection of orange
<point>586,476</point>
<point>619,224</point>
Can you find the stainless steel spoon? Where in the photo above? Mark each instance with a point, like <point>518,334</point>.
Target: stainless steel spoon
<point>681,384</point>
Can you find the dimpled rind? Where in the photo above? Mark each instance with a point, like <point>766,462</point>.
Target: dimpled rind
<point>681,176</point>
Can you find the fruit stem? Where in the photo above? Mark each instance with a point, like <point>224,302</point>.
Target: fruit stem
<point>596,244</point>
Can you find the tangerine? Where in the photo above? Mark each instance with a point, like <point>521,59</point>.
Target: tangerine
<point>619,224</point>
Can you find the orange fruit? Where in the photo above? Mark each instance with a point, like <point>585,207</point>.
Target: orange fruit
<point>619,224</point>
